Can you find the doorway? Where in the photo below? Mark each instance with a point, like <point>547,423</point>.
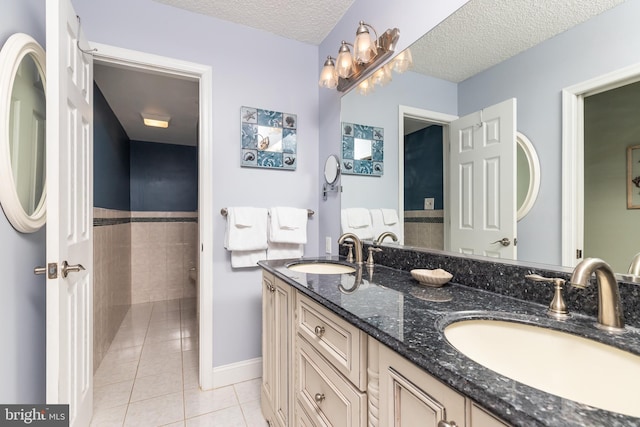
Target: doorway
<point>573,157</point>
<point>419,221</point>
<point>124,58</point>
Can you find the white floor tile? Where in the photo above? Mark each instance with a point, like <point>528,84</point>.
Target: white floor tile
<point>199,402</point>
<point>156,412</point>
<point>128,354</point>
<point>110,373</point>
<point>248,391</point>
<point>112,395</point>
<point>109,417</point>
<point>189,343</point>
<point>156,385</point>
<point>190,377</point>
<point>160,363</point>
<point>152,349</point>
<point>155,335</point>
<point>253,414</point>
<point>190,358</point>
<point>229,417</point>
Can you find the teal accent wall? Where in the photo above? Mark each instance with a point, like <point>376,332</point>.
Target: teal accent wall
<point>111,182</point>
<point>423,168</point>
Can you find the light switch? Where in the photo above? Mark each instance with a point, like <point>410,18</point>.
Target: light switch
<point>429,202</point>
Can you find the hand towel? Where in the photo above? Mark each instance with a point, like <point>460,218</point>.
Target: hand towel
<point>288,225</point>
<point>243,259</point>
<point>378,224</point>
<point>284,250</point>
<point>242,237</point>
<point>358,218</point>
<point>361,232</point>
<point>389,216</point>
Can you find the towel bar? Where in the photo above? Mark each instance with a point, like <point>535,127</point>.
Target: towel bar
<point>224,212</point>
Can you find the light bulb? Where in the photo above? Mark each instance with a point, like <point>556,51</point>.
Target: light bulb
<point>328,75</point>
<point>364,48</point>
<point>344,66</point>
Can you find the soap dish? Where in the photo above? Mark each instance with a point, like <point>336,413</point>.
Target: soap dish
<point>435,278</point>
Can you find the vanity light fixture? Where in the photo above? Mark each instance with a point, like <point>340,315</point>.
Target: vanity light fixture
<point>156,121</point>
<point>349,68</point>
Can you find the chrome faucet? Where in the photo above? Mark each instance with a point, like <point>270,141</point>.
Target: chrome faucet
<point>356,242</point>
<point>610,315</point>
<point>634,268</point>
<point>382,236</point>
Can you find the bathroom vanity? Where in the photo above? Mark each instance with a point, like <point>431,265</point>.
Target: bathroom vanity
<point>368,348</point>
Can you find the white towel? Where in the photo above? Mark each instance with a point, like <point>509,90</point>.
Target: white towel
<point>379,226</point>
<point>389,216</point>
<point>358,218</point>
<point>284,250</point>
<point>243,259</point>
<point>362,232</point>
<point>288,225</point>
<point>242,237</point>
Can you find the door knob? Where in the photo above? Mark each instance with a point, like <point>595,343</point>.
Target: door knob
<point>504,241</point>
<point>66,268</point>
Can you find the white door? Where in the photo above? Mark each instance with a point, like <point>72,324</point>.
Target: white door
<point>483,182</point>
<point>69,215</point>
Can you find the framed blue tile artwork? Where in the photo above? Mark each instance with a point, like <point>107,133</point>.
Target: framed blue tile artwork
<point>268,139</point>
<point>362,149</point>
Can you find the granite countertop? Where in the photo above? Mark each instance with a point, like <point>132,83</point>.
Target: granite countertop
<point>393,308</point>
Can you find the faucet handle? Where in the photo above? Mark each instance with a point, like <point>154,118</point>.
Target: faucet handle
<point>370,258</point>
<point>557,308</point>
<point>350,254</point>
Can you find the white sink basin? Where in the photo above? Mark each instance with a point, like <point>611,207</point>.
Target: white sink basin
<point>321,268</point>
<point>559,363</point>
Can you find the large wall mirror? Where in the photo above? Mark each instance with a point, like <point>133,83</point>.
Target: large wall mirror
<point>451,79</point>
<point>22,133</point>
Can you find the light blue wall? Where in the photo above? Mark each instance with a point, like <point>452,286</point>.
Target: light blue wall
<point>380,109</point>
<point>413,18</point>
<point>251,68</point>
<point>536,78</point>
<point>22,306</point>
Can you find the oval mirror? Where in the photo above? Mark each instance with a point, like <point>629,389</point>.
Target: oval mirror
<point>331,169</point>
<point>528,175</point>
<point>22,133</point>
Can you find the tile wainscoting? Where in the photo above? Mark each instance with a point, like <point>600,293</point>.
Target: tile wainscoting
<point>424,229</point>
<point>112,276</point>
<point>164,247</point>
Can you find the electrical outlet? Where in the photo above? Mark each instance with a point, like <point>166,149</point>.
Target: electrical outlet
<point>327,245</point>
<point>429,203</point>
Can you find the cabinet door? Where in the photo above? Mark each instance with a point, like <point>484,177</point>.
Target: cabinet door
<point>411,397</point>
<point>276,349</point>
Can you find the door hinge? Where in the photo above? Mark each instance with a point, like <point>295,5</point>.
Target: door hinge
<point>578,253</point>
<point>52,270</point>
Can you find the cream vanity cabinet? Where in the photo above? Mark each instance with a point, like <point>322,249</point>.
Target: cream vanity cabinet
<point>319,370</point>
<point>277,358</point>
<point>408,396</point>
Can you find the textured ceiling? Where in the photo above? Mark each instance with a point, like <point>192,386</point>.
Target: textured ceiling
<point>302,20</point>
<point>483,33</point>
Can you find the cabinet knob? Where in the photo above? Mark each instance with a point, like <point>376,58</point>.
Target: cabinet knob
<point>319,330</point>
<point>444,423</point>
<point>319,397</point>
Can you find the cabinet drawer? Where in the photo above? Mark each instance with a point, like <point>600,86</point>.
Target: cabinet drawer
<point>341,343</point>
<point>326,396</point>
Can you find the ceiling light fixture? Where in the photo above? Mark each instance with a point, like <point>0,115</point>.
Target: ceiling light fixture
<point>349,68</point>
<point>156,121</point>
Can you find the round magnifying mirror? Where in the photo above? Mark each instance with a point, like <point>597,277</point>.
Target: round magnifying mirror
<point>528,175</point>
<point>331,169</point>
<point>22,132</point>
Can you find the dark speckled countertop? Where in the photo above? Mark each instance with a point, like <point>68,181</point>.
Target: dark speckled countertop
<point>410,318</point>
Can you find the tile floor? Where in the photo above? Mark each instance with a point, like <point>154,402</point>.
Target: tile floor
<point>149,377</point>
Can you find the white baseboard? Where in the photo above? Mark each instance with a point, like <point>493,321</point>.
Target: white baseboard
<point>237,372</point>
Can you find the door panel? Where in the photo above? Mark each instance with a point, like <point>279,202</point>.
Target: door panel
<point>69,214</point>
<point>483,201</point>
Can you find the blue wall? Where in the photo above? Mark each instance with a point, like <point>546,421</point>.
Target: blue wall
<point>423,170</point>
<point>110,157</point>
<point>164,177</point>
